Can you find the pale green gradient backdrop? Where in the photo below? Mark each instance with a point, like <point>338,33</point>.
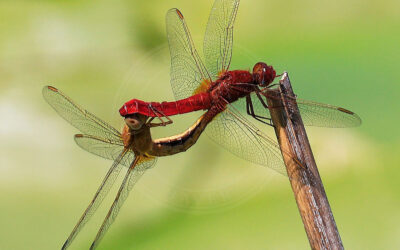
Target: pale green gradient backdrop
<point>102,53</point>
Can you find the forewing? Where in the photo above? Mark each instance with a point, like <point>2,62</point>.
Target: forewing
<point>80,118</point>
<point>325,115</point>
<point>232,131</point>
<point>218,39</point>
<point>187,68</point>
<point>108,149</point>
<point>135,171</point>
<point>101,192</point>
<point>312,113</point>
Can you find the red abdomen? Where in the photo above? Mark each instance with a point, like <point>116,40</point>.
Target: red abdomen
<point>155,109</point>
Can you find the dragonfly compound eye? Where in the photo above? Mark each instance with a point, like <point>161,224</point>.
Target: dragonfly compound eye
<point>263,74</point>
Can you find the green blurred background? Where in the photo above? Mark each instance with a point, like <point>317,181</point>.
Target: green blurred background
<point>102,53</point>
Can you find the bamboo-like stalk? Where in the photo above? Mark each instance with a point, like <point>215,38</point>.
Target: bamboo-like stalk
<point>304,178</point>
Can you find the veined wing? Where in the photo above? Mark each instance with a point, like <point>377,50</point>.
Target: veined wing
<point>108,145</point>
<point>312,113</point>
<point>135,171</point>
<point>325,115</point>
<point>236,134</point>
<point>77,116</point>
<point>108,149</point>
<point>101,192</point>
<point>218,39</point>
<point>187,68</point>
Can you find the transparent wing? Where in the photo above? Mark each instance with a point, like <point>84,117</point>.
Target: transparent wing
<point>107,149</point>
<point>218,39</point>
<point>325,115</point>
<point>101,192</point>
<point>187,68</point>
<point>77,116</point>
<point>135,171</point>
<point>232,131</point>
<point>312,113</point>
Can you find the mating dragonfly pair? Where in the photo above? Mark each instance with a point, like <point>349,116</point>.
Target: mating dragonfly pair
<point>197,86</point>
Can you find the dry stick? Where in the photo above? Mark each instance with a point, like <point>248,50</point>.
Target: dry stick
<point>306,183</point>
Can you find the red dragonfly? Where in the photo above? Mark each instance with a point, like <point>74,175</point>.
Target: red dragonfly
<point>133,148</point>
<point>213,88</point>
<point>226,93</point>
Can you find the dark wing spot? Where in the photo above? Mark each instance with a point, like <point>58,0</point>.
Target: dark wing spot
<point>52,88</point>
<point>179,14</point>
<point>346,111</point>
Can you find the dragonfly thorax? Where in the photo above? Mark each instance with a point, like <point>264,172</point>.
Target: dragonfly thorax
<point>135,130</point>
<point>263,75</point>
<point>139,141</point>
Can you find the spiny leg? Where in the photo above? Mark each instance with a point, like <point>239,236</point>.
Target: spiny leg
<point>159,115</point>
<point>249,104</point>
<point>260,98</point>
<point>250,111</point>
<point>264,93</point>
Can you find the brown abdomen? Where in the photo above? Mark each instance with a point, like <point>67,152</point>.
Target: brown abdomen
<point>182,142</point>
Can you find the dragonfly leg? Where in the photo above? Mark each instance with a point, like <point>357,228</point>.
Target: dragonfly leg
<point>250,111</point>
<point>160,124</point>
<point>159,115</point>
<point>260,98</point>
<point>273,85</point>
<point>263,92</point>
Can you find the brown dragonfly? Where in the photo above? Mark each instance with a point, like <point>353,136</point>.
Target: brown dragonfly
<point>133,148</point>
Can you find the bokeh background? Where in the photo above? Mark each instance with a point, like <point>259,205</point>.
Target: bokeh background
<point>102,53</point>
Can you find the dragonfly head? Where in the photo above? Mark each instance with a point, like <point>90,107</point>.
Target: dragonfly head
<point>135,121</point>
<point>263,74</point>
